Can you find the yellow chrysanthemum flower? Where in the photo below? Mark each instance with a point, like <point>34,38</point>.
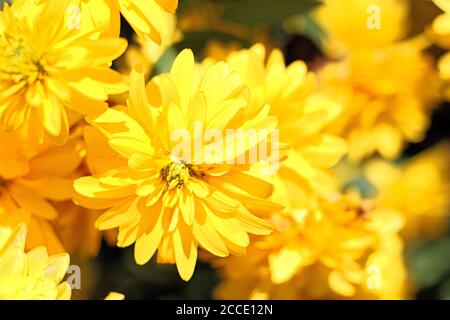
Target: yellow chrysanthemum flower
<point>367,24</point>
<point>383,97</point>
<point>50,69</point>
<point>440,32</point>
<point>33,275</point>
<point>419,189</point>
<point>31,176</point>
<point>146,17</point>
<point>162,200</point>
<point>302,114</point>
<point>335,249</point>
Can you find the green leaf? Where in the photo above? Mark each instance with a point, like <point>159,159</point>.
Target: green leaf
<point>444,290</point>
<point>165,62</point>
<point>429,262</point>
<point>306,25</point>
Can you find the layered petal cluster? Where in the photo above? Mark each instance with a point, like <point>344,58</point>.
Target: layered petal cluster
<point>32,275</point>
<point>418,188</point>
<point>150,19</point>
<point>337,248</point>
<point>169,201</point>
<point>302,113</point>
<point>50,70</point>
<point>382,93</point>
<point>32,178</point>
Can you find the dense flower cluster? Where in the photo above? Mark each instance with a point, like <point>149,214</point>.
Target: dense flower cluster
<point>237,158</point>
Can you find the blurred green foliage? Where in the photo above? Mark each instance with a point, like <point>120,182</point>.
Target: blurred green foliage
<point>263,12</point>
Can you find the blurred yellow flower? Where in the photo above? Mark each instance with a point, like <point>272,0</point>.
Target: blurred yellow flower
<point>50,69</point>
<point>387,96</point>
<point>419,189</point>
<point>440,32</point>
<point>31,176</point>
<point>337,248</point>
<point>217,50</point>
<point>161,200</point>
<point>75,227</point>
<point>115,296</point>
<point>354,24</point>
<point>33,275</point>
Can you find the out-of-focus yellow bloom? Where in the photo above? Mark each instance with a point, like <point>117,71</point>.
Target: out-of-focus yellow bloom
<point>302,114</point>
<point>335,249</point>
<point>31,176</point>
<point>50,69</point>
<point>440,32</point>
<point>354,24</point>
<point>161,201</point>
<point>217,50</point>
<point>33,275</point>
<point>115,296</point>
<point>419,189</point>
<point>75,227</point>
<point>387,96</point>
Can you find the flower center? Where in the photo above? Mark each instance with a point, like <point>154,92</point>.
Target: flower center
<point>177,173</point>
<point>17,61</point>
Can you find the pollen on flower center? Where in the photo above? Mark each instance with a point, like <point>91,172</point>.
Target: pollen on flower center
<point>177,173</point>
<point>17,61</point>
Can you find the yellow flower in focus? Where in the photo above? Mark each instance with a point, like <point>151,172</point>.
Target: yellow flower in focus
<point>146,17</point>
<point>354,24</point>
<point>33,275</point>
<point>32,176</point>
<point>419,189</point>
<point>335,249</point>
<point>387,96</point>
<point>50,69</point>
<point>440,32</point>
<point>161,200</point>
<point>302,114</point>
